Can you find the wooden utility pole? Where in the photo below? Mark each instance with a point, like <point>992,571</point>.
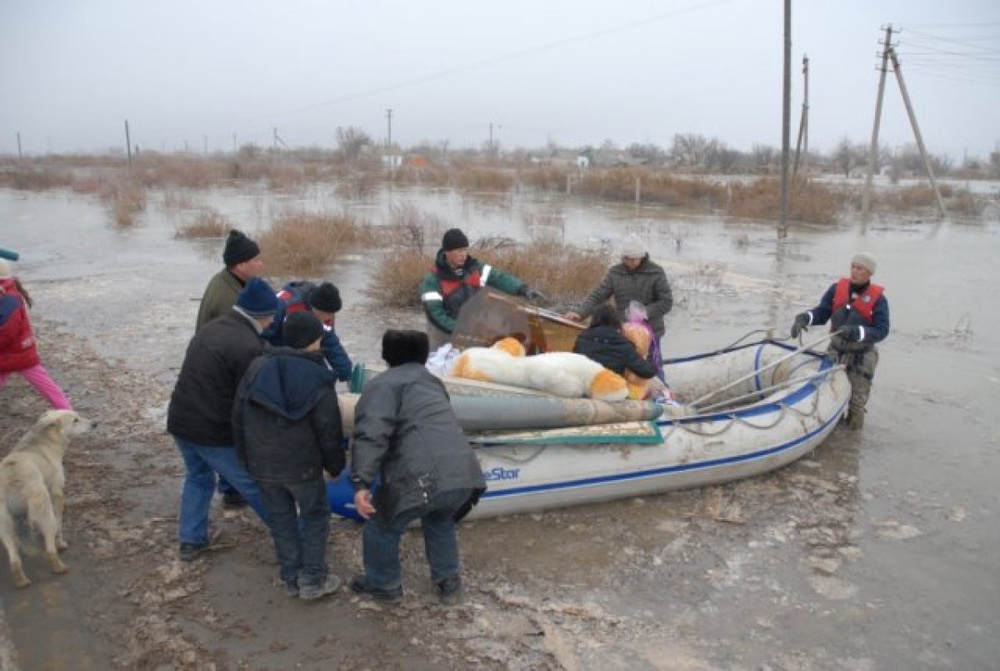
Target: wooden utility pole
<point>916,131</point>
<point>128,145</point>
<point>785,122</point>
<point>803,142</point>
<point>866,195</point>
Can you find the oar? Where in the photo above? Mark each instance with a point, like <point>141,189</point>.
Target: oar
<point>9,254</point>
<point>767,390</point>
<point>762,369</point>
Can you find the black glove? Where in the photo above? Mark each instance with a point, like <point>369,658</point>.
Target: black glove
<point>532,294</point>
<point>800,324</point>
<point>851,333</point>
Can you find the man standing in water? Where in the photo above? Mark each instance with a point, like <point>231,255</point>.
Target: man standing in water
<point>455,278</point>
<point>858,312</point>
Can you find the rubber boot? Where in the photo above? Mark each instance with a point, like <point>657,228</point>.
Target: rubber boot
<point>856,419</point>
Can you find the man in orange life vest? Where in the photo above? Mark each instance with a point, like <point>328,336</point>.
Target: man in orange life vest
<point>454,279</point>
<point>858,312</point>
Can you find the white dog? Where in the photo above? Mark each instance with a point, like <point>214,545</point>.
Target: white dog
<point>31,484</point>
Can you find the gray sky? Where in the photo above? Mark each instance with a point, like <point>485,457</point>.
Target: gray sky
<point>196,73</point>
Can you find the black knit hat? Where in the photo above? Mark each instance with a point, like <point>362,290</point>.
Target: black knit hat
<point>326,297</point>
<point>239,248</point>
<point>301,329</point>
<point>257,298</point>
<point>454,238</point>
<point>399,347</point>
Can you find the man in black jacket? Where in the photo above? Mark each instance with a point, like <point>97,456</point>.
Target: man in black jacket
<point>200,413</point>
<point>287,428</point>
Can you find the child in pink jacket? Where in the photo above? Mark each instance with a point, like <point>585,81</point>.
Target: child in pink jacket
<point>18,350</point>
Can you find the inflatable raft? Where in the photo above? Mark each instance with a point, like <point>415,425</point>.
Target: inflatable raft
<point>743,411</point>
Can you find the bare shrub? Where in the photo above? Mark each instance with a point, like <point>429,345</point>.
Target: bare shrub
<point>208,223</point>
<point>125,201</point>
<point>397,283</point>
<point>412,228</point>
<point>485,179</point>
<point>35,178</point>
<point>545,178</point>
<point>300,243</point>
<point>809,202</point>
<point>562,272</point>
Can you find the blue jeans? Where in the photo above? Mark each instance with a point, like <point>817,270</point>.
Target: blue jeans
<point>202,462</point>
<point>381,543</point>
<point>299,536</point>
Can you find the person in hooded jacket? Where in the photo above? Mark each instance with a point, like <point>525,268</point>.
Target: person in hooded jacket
<point>454,278</point>
<point>18,347</point>
<point>604,342</point>
<point>287,430</point>
<point>406,434</point>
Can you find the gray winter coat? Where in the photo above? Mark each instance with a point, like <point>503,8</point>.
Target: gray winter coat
<point>647,284</point>
<point>405,430</point>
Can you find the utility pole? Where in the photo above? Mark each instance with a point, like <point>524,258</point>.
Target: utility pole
<point>785,123</point>
<point>388,143</point>
<point>916,131</point>
<point>873,147</point>
<point>128,145</point>
<point>20,156</point>
<point>803,141</point>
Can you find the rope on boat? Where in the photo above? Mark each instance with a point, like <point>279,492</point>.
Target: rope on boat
<point>760,370</point>
<point>734,418</point>
<point>767,390</point>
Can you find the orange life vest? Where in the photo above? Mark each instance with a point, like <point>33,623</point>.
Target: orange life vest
<point>864,302</point>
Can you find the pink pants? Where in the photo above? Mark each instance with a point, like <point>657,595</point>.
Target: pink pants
<point>43,383</point>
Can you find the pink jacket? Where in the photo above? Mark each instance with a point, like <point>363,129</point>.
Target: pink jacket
<point>17,341</point>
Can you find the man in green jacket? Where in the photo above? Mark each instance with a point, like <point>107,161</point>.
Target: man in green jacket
<point>243,261</point>
<point>454,278</point>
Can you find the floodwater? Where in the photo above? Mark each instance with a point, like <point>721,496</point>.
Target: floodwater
<point>879,551</point>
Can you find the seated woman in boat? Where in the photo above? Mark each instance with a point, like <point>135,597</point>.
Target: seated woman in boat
<point>604,342</point>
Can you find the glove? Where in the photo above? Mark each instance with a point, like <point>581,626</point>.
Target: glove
<point>851,333</point>
<point>800,324</point>
<point>532,294</point>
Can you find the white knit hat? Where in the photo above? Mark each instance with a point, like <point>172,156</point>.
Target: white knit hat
<point>865,260</point>
<point>633,247</point>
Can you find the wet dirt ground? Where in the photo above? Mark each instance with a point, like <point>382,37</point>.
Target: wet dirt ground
<point>878,551</point>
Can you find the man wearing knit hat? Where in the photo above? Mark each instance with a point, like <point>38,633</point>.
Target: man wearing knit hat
<point>454,278</point>
<point>858,312</point>
<point>199,416</point>
<point>635,279</point>
<point>323,301</point>
<point>243,261</point>
<point>288,431</point>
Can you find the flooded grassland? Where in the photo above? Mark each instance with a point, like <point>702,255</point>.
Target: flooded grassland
<point>877,551</point>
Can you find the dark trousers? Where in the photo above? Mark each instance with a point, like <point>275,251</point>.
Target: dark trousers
<point>300,523</point>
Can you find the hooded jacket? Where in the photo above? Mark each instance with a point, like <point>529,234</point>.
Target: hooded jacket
<point>610,348</point>
<point>18,350</point>
<point>647,284</point>
<point>286,420</point>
